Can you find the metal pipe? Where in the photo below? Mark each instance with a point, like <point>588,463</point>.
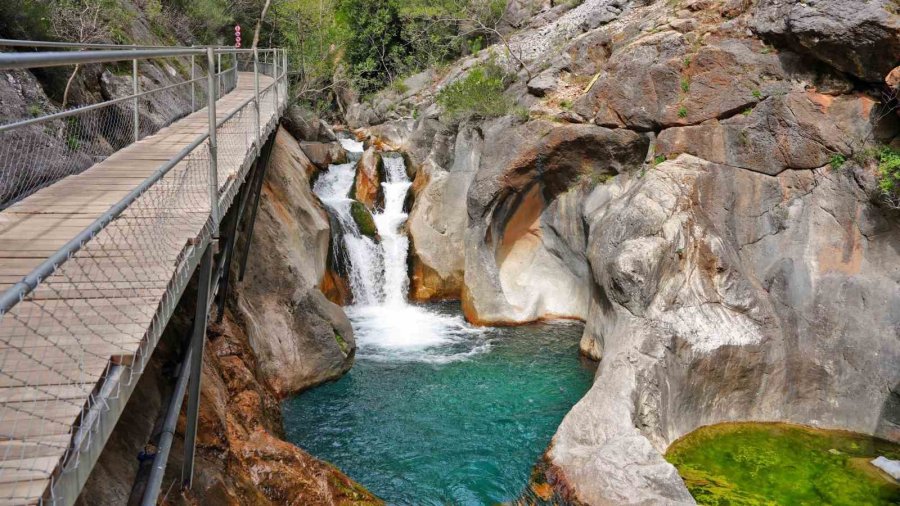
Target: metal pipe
<point>62,58</point>
<point>47,43</point>
<point>219,72</point>
<point>134,91</point>
<point>213,142</point>
<point>193,66</point>
<point>164,445</point>
<point>198,341</point>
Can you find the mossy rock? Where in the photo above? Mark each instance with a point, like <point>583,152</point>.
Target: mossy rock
<point>363,219</point>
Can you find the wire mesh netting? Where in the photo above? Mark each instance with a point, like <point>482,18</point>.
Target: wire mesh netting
<point>73,348</point>
<point>49,148</point>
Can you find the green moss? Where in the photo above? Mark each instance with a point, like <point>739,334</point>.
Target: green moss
<point>757,94</point>
<point>682,112</point>
<point>342,344</point>
<point>771,463</point>
<point>363,219</point>
<point>658,159</point>
<point>685,84</point>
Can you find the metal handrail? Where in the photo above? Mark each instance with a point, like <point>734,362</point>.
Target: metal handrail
<point>74,45</point>
<point>16,293</point>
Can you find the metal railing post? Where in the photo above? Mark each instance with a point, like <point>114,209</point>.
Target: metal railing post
<point>213,79</point>
<point>275,76</point>
<point>198,340</point>
<point>219,71</point>
<point>193,66</point>
<point>256,95</point>
<point>135,89</point>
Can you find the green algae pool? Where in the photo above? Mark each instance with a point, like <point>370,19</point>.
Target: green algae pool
<point>437,412</point>
<point>781,464</point>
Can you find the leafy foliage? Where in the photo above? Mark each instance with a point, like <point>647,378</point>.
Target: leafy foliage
<point>837,161</point>
<point>889,174</point>
<point>479,93</point>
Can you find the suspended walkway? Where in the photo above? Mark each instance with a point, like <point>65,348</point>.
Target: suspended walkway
<point>106,212</point>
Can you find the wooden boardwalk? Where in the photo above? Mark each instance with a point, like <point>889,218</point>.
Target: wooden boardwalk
<point>103,307</point>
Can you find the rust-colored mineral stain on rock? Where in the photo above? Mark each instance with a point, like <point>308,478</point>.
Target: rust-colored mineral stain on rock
<point>335,288</point>
<point>244,460</point>
<point>847,256</point>
<point>523,229</point>
<point>427,285</point>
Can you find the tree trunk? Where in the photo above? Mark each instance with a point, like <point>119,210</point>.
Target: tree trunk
<point>259,23</point>
<point>65,99</point>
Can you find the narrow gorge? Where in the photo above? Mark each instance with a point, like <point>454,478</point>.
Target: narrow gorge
<point>535,252</point>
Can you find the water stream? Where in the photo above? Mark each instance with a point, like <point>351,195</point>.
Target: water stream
<point>434,411</point>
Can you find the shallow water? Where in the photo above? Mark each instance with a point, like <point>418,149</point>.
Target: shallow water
<point>437,412</point>
<point>774,463</point>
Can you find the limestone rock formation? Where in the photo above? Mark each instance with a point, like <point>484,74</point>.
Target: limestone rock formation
<point>299,337</point>
<point>861,38</point>
<point>704,316</point>
<point>518,267</point>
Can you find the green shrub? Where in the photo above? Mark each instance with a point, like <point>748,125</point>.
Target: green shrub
<point>757,94</point>
<point>658,159</point>
<point>837,161</point>
<point>682,112</point>
<point>889,172</point>
<point>685,84</point>
<point>479,93</point>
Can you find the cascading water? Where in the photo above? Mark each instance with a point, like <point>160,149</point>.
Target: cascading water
<point>362,252</point>
<point>386,326</point>
<point>394,244</point>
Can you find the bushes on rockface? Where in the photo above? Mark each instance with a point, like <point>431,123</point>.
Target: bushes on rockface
<point>889,174</point>
<point>479,93</point>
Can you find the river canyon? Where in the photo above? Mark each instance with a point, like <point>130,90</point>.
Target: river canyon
<point>631,252</point>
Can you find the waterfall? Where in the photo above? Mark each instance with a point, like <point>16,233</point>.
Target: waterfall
<point>363,254</point>
<point>386,326</point>
<point>394,243</point>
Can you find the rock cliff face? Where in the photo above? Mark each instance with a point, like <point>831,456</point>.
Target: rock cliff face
<point>696,183</point>
<point>279,335</point>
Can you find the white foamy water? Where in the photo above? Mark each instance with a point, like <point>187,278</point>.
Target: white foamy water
<point>386,326</point>
<point>333,188</point>
<point>354,147</point>
<point>394,244</point>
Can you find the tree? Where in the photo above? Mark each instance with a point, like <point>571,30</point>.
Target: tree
<point>77,21</point>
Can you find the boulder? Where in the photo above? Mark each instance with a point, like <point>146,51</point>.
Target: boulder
<point>438,220</point>
<point>300,338</point>
<point>724,294</point>
<point>860,37</point>
<point>367,185</point>
<point>323,154</point>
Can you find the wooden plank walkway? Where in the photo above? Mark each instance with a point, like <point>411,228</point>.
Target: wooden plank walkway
<point>101,306</point>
